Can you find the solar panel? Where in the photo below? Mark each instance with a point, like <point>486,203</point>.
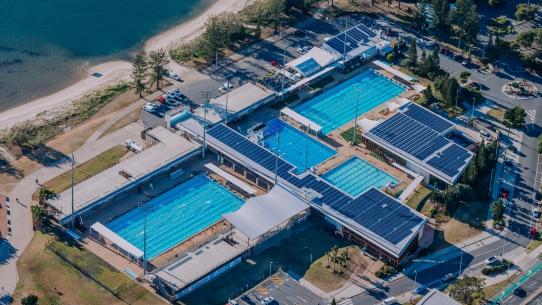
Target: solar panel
<point>309,66</point>
<point>379,213</point>
<point>417,131</point>
<point>383,215</point>
<point>451,160</point>
<point>427,117</point>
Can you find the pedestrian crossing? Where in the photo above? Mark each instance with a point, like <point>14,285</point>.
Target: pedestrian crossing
<point>531,114</point>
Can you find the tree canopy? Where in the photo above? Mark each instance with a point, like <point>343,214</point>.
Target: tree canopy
<point>467,290</point>
<point>515,117</point>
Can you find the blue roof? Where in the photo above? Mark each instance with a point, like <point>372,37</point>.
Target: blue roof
<point>418,132</point>
<point>308,67</point>
<point>375,211</point>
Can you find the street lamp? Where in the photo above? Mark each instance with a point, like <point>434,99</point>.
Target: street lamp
<point>415,278</point>
<point>205,97</point>
<point>356,117</point>
<point>270,266</point>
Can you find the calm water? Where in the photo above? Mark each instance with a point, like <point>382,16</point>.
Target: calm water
<point>45,45</point>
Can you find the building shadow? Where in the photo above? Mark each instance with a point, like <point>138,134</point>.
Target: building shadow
<point>45,155</point>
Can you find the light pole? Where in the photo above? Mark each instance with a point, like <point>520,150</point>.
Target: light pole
<point>72,221</point>
<point>227,95</point>
<point>205,96</point>
<point>472,110</point>
<point>415,279</point>
<point>277,158</point>
<point>270,267</point>
<point>356,117</point>
<point>144,208</point>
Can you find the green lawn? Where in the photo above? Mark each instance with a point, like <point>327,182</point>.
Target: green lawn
<point>419,199</point>
<point>349,135</point>
<point>86,170</point>
<point>54,281</point>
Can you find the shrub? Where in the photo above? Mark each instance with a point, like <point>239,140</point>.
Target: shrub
<point>386,271</point>
<point>503,266</point>
<point>525,12</point>
<point>30,300</point>
<point>463,76</point>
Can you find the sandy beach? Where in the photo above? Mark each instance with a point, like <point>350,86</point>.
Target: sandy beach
<point>115,71</point>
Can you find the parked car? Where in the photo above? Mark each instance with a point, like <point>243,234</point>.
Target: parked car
<point>133,146</point>
<point>307,48</point>
<point>520,292</point>
<point>232,302</point>
<point>226,87</point>
<point>174,76</point>
<point>448,278</point>
<point>299,33</point>
<point>300,50</point>
<point>492,260</point>
<point>536,213</point>
<point>389,301</point>
<point>150,107</point>
<point>267,300</point>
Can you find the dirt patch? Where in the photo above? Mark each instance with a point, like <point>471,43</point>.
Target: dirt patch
<point>125,121</point>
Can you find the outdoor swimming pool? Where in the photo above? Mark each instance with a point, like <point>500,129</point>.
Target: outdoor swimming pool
<point>294,146</point>
<point>336,107</point>
<point>176,215</point>
<point>355,176</point>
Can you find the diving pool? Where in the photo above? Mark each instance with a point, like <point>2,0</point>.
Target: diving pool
<point>301,150</point>
<point>176,215</point>
<point>336,106</point>
<point>355,176</point>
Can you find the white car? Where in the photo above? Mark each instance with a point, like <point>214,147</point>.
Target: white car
<point>300,51</point>
<point>133,146</point>
<point>307,48</point>
<point>174,76</point>
<point>267,300</point>
<point>150,107</point>
<point>492,260</point>
<point>536,213</point>
<point>226,88</point>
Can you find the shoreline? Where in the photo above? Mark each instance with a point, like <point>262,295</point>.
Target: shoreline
<point>114,71</point>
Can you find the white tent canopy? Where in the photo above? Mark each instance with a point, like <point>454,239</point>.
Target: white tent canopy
<point>117,240</point>
<point>260,214</point>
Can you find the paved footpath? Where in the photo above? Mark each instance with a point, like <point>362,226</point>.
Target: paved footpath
<point>20,215</point>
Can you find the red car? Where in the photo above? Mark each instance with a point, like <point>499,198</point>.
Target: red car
<point>274,63</point>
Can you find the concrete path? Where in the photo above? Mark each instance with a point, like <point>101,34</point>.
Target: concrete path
<point>20,215</point>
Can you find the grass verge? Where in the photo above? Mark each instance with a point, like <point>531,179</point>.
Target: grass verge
<point>348,135</point>
<point>55,281</point>
<point>418,200</point>
<point>86,170</point>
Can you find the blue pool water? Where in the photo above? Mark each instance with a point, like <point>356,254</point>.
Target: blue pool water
<point>176,215</point>
<point>355,176</point>
<point>294,146</point>
<point>336,107</point>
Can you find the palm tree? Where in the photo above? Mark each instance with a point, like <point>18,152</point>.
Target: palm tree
<point>158,60</point>
<point>140,72</point>
<point>39,214</point>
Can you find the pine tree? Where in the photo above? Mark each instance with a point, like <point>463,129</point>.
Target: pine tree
<point>481,158</point>
<point>139,74</point>
<point>158,61</point>
<point>471,174</point>
<point>412,56</point>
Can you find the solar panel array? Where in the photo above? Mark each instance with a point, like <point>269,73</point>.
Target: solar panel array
<point>382,214</point>
<point>417,131</point>
<point>353,38</point>
<point>450,160</point>
<point>363,210</point>
<point>410,136</point>
<point>426,117</point>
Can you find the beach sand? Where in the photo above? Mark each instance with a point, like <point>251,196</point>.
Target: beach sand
<point>115,71</point>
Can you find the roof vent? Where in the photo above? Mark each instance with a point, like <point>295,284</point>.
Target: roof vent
<point>384,205</point>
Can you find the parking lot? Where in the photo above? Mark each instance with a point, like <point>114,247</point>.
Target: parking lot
<point>255,61</point>
<point>280,288</point>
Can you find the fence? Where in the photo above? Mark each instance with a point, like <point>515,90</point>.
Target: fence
<point>116,291</point>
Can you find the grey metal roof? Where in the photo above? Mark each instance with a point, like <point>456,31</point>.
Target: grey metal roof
<point>260,214</point>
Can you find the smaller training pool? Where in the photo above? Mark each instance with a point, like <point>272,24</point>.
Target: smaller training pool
<point>176,215</point>
<point>294,146</point>
<point>354,176</point>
